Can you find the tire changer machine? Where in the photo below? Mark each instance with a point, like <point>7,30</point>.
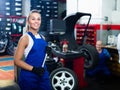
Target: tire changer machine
<point>70,75</point>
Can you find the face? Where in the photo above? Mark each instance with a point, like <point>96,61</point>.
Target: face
<point>34,21</point>
<point>98,45</point>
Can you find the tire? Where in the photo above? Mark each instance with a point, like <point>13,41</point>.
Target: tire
<point>63,79</point>
<point>91,56</point>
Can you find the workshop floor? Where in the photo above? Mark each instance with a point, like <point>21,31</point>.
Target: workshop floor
<point>6,67</point>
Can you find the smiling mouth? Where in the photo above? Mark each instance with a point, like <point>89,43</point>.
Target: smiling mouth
<point>37,25</point>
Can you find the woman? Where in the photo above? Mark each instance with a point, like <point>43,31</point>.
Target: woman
<point>32,46</point>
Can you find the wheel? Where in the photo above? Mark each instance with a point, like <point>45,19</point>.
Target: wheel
<point>63,79</point>
<point>91,56</point>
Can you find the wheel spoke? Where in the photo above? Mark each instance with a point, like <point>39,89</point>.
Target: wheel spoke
<point>57,84</point>
<point>63,74</point>
<point>57,78</point>
<point>69,79</point>
<point>68,86</point>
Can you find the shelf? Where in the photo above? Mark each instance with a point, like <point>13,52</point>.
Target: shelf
<point>80,32</point>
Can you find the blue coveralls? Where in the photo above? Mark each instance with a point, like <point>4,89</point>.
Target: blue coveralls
<point>28,80</point>
<point>101,67</point>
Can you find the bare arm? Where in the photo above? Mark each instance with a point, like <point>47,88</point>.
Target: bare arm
<point>18,57</point>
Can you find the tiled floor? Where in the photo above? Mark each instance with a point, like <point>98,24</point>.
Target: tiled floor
<point>6,67</point>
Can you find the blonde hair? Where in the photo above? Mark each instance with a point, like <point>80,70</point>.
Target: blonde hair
<point>32,11</point>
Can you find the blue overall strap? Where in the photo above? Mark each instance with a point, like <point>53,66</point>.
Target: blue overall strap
<point>31,35</point>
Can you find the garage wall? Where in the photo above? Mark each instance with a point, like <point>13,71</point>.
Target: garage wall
<point>100,9</point>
